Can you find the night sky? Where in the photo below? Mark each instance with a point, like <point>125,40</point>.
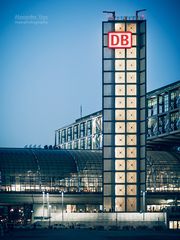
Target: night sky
<point>49,68</point>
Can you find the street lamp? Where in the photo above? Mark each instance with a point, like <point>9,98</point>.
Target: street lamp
<point>62,204</point>
<point>43,203</point>
<point>144,203</point>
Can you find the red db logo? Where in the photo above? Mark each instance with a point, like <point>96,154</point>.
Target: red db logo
<point>119,39</point>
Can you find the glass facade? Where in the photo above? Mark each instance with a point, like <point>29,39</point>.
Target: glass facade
<point>163,111</point>
<point>85,133</point>
<point>124,111</point>
<point>163,115</point>
<point>37,170</point>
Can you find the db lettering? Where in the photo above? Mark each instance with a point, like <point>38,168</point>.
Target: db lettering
<point>119,40</point>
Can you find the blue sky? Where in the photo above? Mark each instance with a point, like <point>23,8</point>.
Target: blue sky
<point>48,70</point>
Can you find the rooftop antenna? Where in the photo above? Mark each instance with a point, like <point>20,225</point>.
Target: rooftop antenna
<point>138,11</point>
<point>113,14</point>
<point>81,111</point>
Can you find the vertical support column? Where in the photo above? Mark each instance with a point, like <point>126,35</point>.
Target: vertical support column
<point>124,118</point>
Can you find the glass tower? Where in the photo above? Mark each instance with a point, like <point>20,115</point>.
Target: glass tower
<point>124,118</point>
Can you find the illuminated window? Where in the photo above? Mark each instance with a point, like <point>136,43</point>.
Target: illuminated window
<point>119,152</point>
<point>120,204</point>
<point>120,165</point>
<point>119,190</point>
<point>131,152</point>
<point>119,53</point>
<point>120,65</point>
<point>131,114</point>
<point>131,127</point>
<point>119,115</point>
<point>119,140</point>
<point>119,102</point>
<point>131,27</point>
<point>134,40</point>
<point>120,127</point>
<point>131,102</point>
<point>131,89</point>
<point>119,177</point>
<point>131,204</point>
<point>119,27</point>
<point>119,77</point>
<point>131,77</point>
<point>131,165</point>
<point>131,64</point>
<point>131,190</point>
<point>131,53</point>
<point>131,139</point>
<point>131,177</point>
<point>119,90</point>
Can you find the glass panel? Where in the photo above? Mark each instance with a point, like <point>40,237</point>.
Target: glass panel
<point>131,165</point>
<point>120,65</point>
<point>142,77</point>
<point>107,140</point>
<point>119,152</point>
<point>108,77</point>
<point>131,27</point>
<point>108,90</point>
<point>107,203</point>
<point>119,115</point>
<point>131,64</point>
<point>119,190</point>
<point>108,27</point>
<point>108,115</point>
<point>119,127</point>
<point>142,64</point>
<point>131,139</point>
<point>131,177</point>
<point>131,190</point>
<point>107,152</point>
<point>107,127</point>
<point>120,102</point>
<point>120,165</point>
<point>105,40</point>
<point>119,139</point>
<point>107,177</point>
<point>108,65</point>
<point>108,53</point>
<point>131,77</point>
<point>119,177</point>
<point>107,189</point>
<point>131,90</point>
<point>120,204</point>
<point>131,114</point>
<point>131,127</point>
<point>119,27</point>
<point>119,77</point>
<point>131,102</point>
<point>131,204</point>
<point>134,40</point>
<point>131,53</point>
<point>108,102</point>
<point>142,102</point>
<point>131,152</point>
<point>119,53</point>
<point>119,90</point>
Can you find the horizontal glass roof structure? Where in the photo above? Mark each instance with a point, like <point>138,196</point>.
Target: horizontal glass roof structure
<point>28,169</point>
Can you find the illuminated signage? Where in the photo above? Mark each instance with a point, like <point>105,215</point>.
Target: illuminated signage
<point>119,39</point>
